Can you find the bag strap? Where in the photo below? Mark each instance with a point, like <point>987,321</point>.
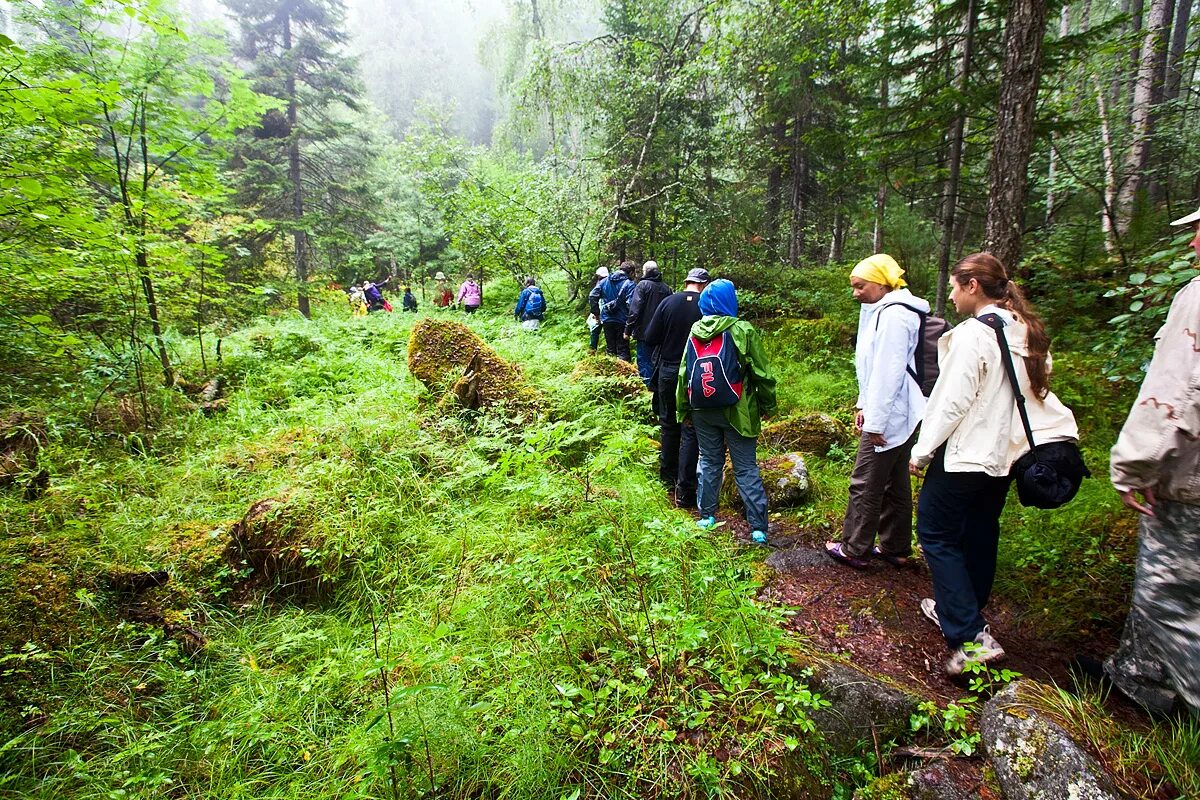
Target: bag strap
<point>919,355</point>
<point>994,322</point>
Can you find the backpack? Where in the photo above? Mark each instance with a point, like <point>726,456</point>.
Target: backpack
<point>536,303</point>
<point>714,374</point>
<point>926,370</point>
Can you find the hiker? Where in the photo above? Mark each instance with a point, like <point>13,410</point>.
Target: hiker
<point>1157,456</point>
<point>442,296</point>
<point>373,292</point>
<point>613,295</point>
<point>531,306</point>
<point>971,434</point>
<point>593,318</point>
<point>470,296</point>
<point>408,303</point>
<point>725,389</point>
<point>668,334</point>
<point>649,292</point>
<point>889,407</point>
<point>358,301</point>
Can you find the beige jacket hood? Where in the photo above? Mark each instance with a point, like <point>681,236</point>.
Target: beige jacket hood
<point>1159,446</point>
<point>972,409</point>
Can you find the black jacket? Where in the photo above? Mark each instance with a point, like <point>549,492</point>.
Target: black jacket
<point>649,292</point>
<point>670,327</point>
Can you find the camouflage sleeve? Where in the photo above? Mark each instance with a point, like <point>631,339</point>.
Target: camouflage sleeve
<point>1166,410</point>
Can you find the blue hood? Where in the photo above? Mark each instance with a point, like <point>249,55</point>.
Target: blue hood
<point>719,299</point>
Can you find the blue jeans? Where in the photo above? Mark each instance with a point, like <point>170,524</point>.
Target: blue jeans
<point>715,434</point>
<point>645,363</point>
<point>958,525</point>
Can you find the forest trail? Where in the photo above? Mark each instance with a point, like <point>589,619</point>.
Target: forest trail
<point>872,617</point>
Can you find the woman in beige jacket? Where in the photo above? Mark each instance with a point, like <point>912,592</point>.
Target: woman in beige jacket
<point>970,436</point>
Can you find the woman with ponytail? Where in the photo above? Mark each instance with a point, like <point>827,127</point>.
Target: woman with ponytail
<point>971,435</point>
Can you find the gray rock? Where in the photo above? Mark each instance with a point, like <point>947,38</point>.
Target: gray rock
<point>796,558</point>
<point>928,783</point>
<point>1034,758</point>
<point>784,477</point>
<point>859,704</point>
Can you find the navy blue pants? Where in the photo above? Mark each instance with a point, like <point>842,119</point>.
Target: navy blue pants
<point>645,363</point>
<point>679,454</point>
<point>958,526</point>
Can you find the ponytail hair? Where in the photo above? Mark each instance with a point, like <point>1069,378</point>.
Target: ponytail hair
<point>993,281</point>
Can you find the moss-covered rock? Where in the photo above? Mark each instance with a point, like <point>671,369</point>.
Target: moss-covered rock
<point>275,551</point>
<point>21,438</point>
<point>862,707</point>
<point>613,377</point>
<point>460,368</point>
<point>784,477</point>
<point>812,433</point>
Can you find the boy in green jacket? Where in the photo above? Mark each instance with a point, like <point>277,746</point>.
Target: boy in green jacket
<point>725,390</point>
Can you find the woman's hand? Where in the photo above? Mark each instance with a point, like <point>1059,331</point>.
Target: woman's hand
<point>1129,498</point>
<point>858,421</point>
<point>915,469</point>
<point>877,439</point>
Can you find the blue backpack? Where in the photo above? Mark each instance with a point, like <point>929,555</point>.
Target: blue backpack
<point>714,374</point>
<point>535,305</point>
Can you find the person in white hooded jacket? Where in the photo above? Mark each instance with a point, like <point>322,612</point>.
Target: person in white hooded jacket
<point>890,405</point>
<point>970,437</point>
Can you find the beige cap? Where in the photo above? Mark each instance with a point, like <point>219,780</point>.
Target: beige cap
<point>1192,217</point>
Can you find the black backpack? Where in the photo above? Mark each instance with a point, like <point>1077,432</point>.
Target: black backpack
<point>926,369</point>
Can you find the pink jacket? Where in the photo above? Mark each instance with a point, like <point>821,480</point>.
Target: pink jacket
<point>469,294</point>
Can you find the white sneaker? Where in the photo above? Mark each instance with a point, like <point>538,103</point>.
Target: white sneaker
<point>985,651</point>
<point>929,609</point>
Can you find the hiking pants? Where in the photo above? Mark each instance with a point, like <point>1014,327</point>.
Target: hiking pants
<point>880,501</point>
<point>1158,660</point>
<point>958,525</point>
<point>645,363</point>
<point>615,343</point>
<point>714,434</point>
<point>594,338</point>
<point>678,454</point>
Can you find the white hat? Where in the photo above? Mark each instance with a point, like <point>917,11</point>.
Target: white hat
<point>1190,218</point>
<point>440,276</point>
<point>601,272</point>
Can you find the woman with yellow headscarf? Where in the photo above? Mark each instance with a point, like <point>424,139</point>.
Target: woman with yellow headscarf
<point>890,405</point>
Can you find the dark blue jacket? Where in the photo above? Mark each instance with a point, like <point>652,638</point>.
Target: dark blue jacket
<point>530,304</point>
<point>614,293</point>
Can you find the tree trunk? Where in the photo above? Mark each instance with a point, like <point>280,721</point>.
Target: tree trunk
<point>1064,29</point>
<point>299,235</point>
<point>1179,37</point>
<point>882,192</point>
<point>1108,215</point>
<point>799,170</point>
<point>1145,91</point>
<point>955,141</point>
<point>1008,179</point>
<point>778,135</point>
<point>838,243</point>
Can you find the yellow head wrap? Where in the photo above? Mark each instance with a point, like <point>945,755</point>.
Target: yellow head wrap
<point>882,269</point>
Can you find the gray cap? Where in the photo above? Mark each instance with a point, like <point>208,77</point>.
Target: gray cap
<point>698,275</point>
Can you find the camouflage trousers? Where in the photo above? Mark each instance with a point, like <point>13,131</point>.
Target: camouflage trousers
<point>1158,660</point>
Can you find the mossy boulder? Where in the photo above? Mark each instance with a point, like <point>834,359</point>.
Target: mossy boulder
<point>460,368</point>
<point>275,551</point>
<point>812,433</point>
<point>934,782</point>
<point>784,477</point>
<point>1033,756</point>
<point>613,377</point>
<point>861,707</point>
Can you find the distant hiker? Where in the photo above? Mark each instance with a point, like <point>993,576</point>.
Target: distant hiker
<point>970,437</point>
<point>442,296</point>
<point>531,306</point>
<point>358,301</point>
<point>470,296</point>
<point>409,303</point>
<point>613,295</point>
<point>889,406</point>
<point>668,334</point>
<point>1157,456</point>
<point>593,319</point>
<point>649,292</point>
<point>725,388</point>
<point>375,299</point>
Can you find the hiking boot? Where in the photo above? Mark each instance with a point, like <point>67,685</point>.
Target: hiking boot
<point>685,500</point>
<point>986,651</point>
<point>929,609</point>
<point>706,523</point>
<point>758,537</point>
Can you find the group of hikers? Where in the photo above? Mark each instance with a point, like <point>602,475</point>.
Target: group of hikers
<point>367,297</point>
<point>963,407</point>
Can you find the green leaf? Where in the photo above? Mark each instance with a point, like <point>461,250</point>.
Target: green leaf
<point>30,187</point>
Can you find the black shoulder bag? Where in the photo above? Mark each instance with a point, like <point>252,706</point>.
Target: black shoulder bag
<point>1049,475</point>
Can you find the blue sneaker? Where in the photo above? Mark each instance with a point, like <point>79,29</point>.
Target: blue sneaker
<point>758,537</point>
<point>707,523</point>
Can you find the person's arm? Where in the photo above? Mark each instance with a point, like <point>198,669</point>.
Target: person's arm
<point>889,368</point>
<point>1158,421</point>
<point>959,378</point>
<point>763,380</point>
<point>522,299</point>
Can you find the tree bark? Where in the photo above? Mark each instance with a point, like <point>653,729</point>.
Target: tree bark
<point>838,243</point>
<point>799,176</point>
<point>1008,179</point>
<point>1145,91</point>
<point>954,158</point>
<point>882,192</point>
<point>1179,37</point>
<point>1108,214</point>
<point>774,202</point>
<point>299,235</point>
<point>1064,29</point>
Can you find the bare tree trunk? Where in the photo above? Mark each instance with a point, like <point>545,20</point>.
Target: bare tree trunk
<point>299,235</point>
<point>838,243</point>
<point>882,193</point>
<point>1108,215</point>
<point>799,170</point>
<point>1179,37</point>
<point>1145,90</point>
<point>956,136</point>
<point>778,134</point>
<point>1008,179</point>
<point>1064,29</point>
